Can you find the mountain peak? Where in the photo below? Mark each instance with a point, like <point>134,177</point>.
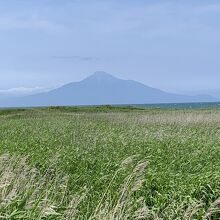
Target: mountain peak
<point>100,76</point>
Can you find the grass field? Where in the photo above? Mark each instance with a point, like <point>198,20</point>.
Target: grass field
<point>109,163</point>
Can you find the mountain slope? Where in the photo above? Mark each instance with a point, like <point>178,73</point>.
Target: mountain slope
<point>103,88</point>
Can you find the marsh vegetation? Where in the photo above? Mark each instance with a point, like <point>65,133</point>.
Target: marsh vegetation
<point>109,163</point>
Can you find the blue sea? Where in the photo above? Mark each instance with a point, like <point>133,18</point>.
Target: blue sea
<point>198,105</point>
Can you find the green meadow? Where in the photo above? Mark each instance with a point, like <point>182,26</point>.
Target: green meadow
<point>109,163</point>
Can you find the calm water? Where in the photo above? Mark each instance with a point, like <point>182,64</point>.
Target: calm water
<point>182,105</point>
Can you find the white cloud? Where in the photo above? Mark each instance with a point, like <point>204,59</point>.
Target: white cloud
<point>22,91</point>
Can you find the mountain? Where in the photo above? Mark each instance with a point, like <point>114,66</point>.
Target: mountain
<point>103,88</point>
<point>211,92</point>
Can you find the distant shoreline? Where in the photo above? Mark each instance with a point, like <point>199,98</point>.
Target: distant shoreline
<point>193,105</point>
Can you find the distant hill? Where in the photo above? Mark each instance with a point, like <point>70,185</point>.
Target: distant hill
<point>102,88</point>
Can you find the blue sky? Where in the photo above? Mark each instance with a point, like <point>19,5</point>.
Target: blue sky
<point>173,45</point>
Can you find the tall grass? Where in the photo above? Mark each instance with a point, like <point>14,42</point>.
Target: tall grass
<point>117,165</point>
<point>26,194</point>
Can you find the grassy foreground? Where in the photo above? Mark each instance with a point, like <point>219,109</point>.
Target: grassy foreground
<point>109,163</point>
